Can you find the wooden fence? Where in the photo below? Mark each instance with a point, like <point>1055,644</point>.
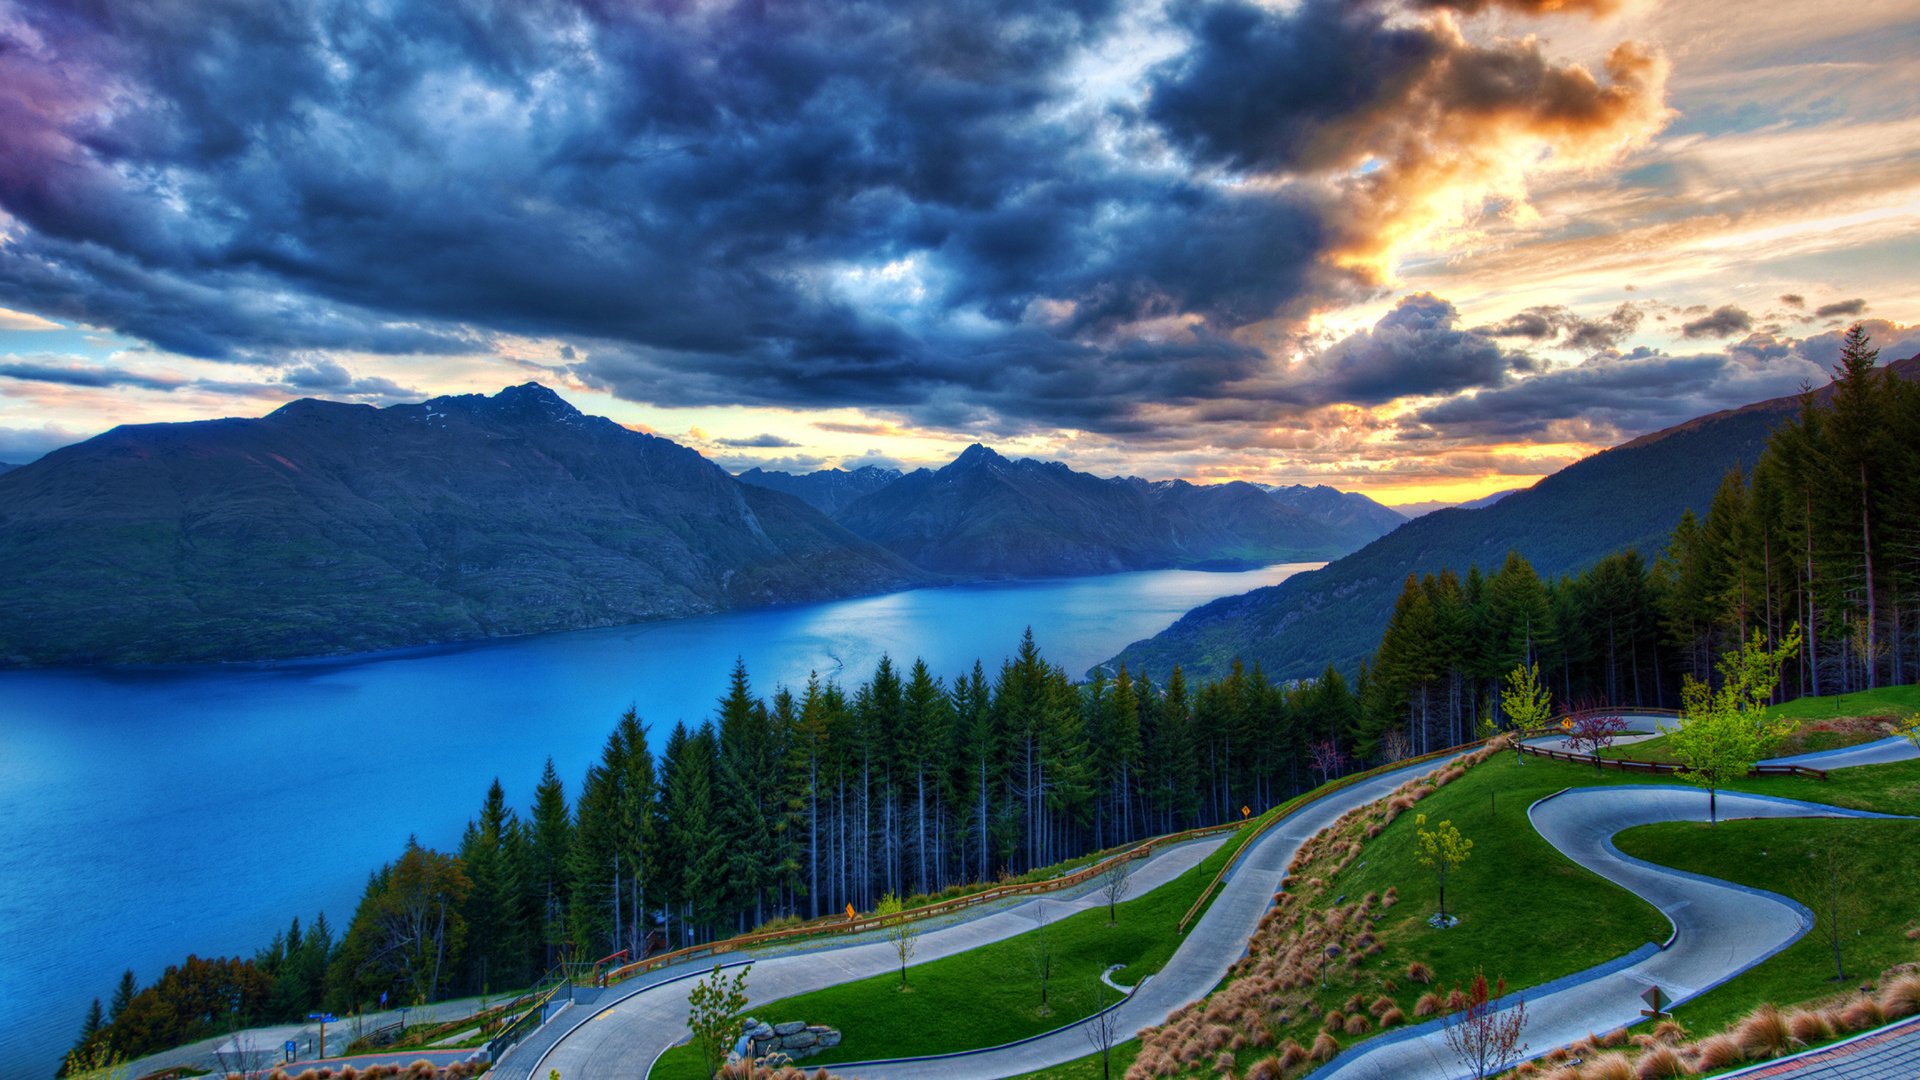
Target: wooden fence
<point>1663,768</point>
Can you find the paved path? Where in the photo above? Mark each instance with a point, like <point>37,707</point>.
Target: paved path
<point>1720,929</point>
<point>267,1043</point>
<point>624,1039</point>
<point>1892,1053</point>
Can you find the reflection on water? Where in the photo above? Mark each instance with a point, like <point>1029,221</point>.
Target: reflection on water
<point>148,814</point>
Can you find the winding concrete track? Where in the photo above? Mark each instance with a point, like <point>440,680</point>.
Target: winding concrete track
<point>1720,930</point>
<point>622,1039</point>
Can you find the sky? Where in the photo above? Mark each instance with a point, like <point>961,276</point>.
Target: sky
<point>1421,249</point>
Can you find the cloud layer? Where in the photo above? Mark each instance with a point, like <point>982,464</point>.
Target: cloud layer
<point>918,207</point>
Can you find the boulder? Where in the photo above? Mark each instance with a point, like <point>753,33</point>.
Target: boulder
<point>790,1027</point>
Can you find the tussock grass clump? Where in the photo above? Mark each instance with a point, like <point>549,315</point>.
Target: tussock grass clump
<point>1392,1017</point>
<point>1613,1066</point>
<point>1717,1052</point>
<point>1357,1024</point>
<point>1420,973</point>
<point>1661,1063</point>
<point>1764,1033</point>
<point>1809,1026</point>
<point>1268,1068</point>
<point>1428,1005</point>
<point>1324,1047</point>
<point>1901,997</point>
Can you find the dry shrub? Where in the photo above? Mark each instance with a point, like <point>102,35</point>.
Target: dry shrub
<point>1380,1006</point>
<point>1268,1068</point>
<point>1718,1052</point>
<point>1616,1037</point>
<point>1388,986</point>
<point>1419,972</point>
<point>1901,997</point>
<point>1336,1021</point>
<point>1324,1047</point>
<point>1392,1017</point>
<point>1357,1024</point>
<point>1764,1033</point>
<point>1215,1036</point>
<point>1614,1066</point>
<point>1661,1063</point>
<point>1863,1014</point>
<point>1428,1004</point>
<point>1355,1004</point>
<point>1457,1000</point>
<point>1292,1053</point>
<point>1670,1032</point>
<point>1392,897</point>
<point>1913,932</point>
<point>1563,1073</point>
<point>1373,832</point>
<point>1808,1026</point>
<point>1223,1062</point>
<point>1238,1042</point>
<point>349,1073</point>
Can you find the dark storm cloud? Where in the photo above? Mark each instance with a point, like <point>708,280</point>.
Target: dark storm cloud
<point>1616,396</point>
<point>1414,349</point>
<point>698,196</point>
<point>756,442</point>
<point>1844,307</point>
<point>1725,321</point>
<point>83,375</point>
<point>1543,324</point>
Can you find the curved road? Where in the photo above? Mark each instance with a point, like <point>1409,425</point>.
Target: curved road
<point>627,1036</point>
<point>1720,930</point>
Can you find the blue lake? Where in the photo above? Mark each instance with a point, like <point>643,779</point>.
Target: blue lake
<point>148,814</point>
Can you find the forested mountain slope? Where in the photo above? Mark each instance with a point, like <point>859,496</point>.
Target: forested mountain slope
<point>1629,496</point>
<point>826,490</point>
<point>330,528</point>
<point>984,514</point>
<point>1341,509</point>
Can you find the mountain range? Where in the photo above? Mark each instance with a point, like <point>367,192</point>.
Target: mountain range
<point>827,490</point>
<point>986,515</point>
<point>1421,509</point>
<point>1630,496</point>
<point>329,528</point>
<point>1342,509</point>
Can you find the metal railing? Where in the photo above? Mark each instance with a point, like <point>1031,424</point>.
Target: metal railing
<point>530,1020</point>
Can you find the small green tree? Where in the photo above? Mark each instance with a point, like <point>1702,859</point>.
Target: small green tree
<point>718,1013</point>
<point>1527,701</point>
<point>1722,733</point>
<point>904,935</point>
<point>1442,850</point>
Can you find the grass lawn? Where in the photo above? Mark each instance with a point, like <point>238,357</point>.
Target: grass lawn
<point>1824,723</point>
<point>990,995</point>
<point>1880,887</point>
<point>1091,1067</point>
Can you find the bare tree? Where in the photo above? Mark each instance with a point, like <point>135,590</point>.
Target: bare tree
<point>1040,949</point>
<point>1103,1030</point>
<point>1838,893</point>
<point>243,1055</point>
<point>1486,1034</point>
<point>1115,881</point>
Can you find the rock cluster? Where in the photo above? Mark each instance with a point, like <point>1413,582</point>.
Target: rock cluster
<point>795,1038</point>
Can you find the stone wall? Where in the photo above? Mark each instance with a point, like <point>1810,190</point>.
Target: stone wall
<point>795,1038</point>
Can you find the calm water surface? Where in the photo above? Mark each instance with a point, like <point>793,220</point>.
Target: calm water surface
<point>148,814</point>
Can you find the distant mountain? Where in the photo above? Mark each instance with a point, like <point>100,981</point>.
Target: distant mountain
<point>332,528</point>
<point>1629,496</point>
<point>1420,509</point>
<point>827,490</point>
<point>4,467</point>
<point>1343,510</point>
<point>986,515</point>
